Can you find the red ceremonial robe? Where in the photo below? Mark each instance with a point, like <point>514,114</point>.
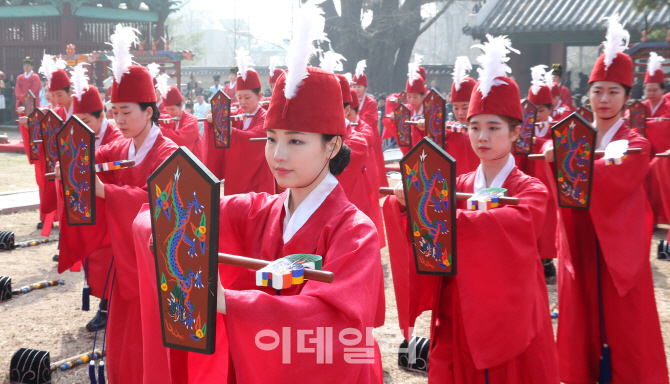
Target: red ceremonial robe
<point>213,156</point>
<point>375,143</point>
<point>493,314</point>
<point>125,193</point>
<point>561,112</point>
<point>619,220</point>
<point>251,225</point>
<point>389,126</point>
<point>459,147</point>
<point>230,92</point>
<point>162,109</point>
<point>368,111</point>
<point>23,85</point>
<point>658,182</point>
<point>566,97</point>
<point>88,241</point>
<point>244,164</point>
<point>185,132</point>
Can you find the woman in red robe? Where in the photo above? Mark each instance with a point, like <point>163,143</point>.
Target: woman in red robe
<point>608,260</point>
<point>490,322</point>
<point>184,132</point>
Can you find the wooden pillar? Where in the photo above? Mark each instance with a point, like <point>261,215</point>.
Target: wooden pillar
<point>557,54</point>
<point>160,32</point>
<point>68,34</point>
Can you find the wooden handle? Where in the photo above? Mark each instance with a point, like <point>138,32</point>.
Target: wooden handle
<point>256,264</point>
<point>411,122</point>
<point>667,155</point>
<point>630,151</point>
<point>90,355</point>
<point>461,196</point>
<point>50,176</point>
<point>258,139</point>
<point>37,141</point>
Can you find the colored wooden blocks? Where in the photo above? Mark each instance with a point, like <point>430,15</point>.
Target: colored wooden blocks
<point>287,271</point>
<point>486,199</point>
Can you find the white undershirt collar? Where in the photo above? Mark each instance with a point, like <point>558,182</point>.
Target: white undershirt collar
<point>232,85</point>
<point>360,104</point>
<point>610,134</point>
<point>247,122</point>
<point>654,109</point>
<point>27,75</point>
<point>101,134</point>
<point>541,129</point>
<point>147,144</point>
<point>293,222</point>
<point>69,111</point>
<point>498,181</point>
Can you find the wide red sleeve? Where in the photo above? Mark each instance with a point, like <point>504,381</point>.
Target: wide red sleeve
<point>213,156</point>
<point>389,127</point>
<point>369,113</point>
<point>35,87</point>
<point>255,176</point>
<point>497,262</point>
<point>187,134</point>
<point>319,310</point>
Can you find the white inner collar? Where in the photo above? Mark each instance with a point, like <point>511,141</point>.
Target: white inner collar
<point>232,85</point>
<point>360,104</point>
<point>610,134</point>
<point>147,144</point>
<point>247,122</point>
<point>101,134</point>
<point>541,129</point>
<point>654,109</point>
<point>498,181</point>
<point>294,221</point>
<point>69,111</point>
<point>28,74</point>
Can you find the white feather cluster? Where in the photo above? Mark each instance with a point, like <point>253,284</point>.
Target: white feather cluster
<point>244,62</point>
<point>493,61</point>
<point>616,39</point>
<point>51,64</point>
<point>538,78</point>
<point>308,27</point>
<point>461,69</point>
<point>154,69</point>
<point>332,61</point>
<point>162,84</point>
<point>654,63</point>
<point>275,61</point>
<point>360,68</point>
<point>121,41</point>
<point>349,77</point>
<point>413,67</point>
<point>79,81</point>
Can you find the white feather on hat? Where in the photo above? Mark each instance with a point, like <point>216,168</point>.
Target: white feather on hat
<point>79,81</point>
<point>154,69</point>
<point>51,64</point>
<point>492,62</point>
<point>275,61</point>
<point>549,79</point>
<point>121,41</point>
<point>538,78</point>
<point>244,62</point>
<point>654,63</point>
<point>162,84</point>
<point>308,27</point>
<point>360,68</point>
<point>332,61</point>
<point>616,39</point>
<point>461,69</point>
<point>413,67</point>
<point>349,77</point>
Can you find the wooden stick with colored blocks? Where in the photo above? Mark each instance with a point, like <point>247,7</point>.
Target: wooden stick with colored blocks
<point>461,196</point>
<point>631,151</point>
<point>77,360</point>
<point>257,264</point>
<point>486,199</point>
<point>104,167</point>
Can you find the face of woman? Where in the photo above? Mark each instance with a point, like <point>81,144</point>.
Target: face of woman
<point>461,112</point>
<point>91,121</point>
<point>542,113</point>
<point>607,98</point>
<point>414,99</point>
<point>131,119</point>
<point>248,100</point>
<point>491,137</point>
<point>297,158</point>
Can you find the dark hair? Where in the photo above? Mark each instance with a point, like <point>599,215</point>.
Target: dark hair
<point>156,112</point>
<point>662,85</point>
<point>346,105</point>
<point>96,114</point>
<point>512,122</point>
<point>355,109</point>
<point>66,89</point>
<point>625,88</point>
<point>341,160</point>
<point>548,106</point>
<point>257,90</point>
<point>179,104</point>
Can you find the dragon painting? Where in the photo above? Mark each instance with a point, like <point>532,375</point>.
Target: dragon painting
<point>573,168</point>
<point>80,164</point>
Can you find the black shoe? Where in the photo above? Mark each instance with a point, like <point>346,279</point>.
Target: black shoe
<point>55,258</point>
<point>663,250</point>
<point>40,225</point>
<point>549,268</point>
<point>98,321</point>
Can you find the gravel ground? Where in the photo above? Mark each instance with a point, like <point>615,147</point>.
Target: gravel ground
<point>51,319</point>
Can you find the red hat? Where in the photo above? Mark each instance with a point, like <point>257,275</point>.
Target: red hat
<point>543,96</point>
<point>422,73</point>
<point>654,72</point>
<point>346,90</point>
<point>418,86</point>
<point>174,97</point>
<point>360,78</point>
<point>354,98</point>
<point>136,86</point>
<point>613,64</point>
<point>59,80</point>
<point>90,101</point>
<point>555,90</point>
<point>315,106</point>
<point>252,81</point>
<point>274,75</point>
<point>503,99</point>
<point>463,94</point>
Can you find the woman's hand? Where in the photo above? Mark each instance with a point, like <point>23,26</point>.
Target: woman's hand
<point>23,120</point>
<point>421,124</point>
<point>549,154</point>
<point>57,171</point>
<point>399,193</point>
<point>209,117</point>
<point>99,188</point>
<point>220,296</point>
<point>20,109</point>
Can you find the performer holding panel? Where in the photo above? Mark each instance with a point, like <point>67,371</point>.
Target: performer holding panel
<point>488,324</point>
<point>184,129</point>
<point>367,105</point>
<point>609,329</point>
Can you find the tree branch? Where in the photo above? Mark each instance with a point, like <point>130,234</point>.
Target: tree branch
<point>434,18</point>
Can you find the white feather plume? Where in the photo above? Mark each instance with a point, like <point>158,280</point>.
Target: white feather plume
<point>51,64</point>
<point>461,69</point>
<point>616,39</point>
<point>332,61</point>
<point>349,77</point>
<point>654,63</point>
<point>360,68</point>
<point>244,62</point>
<point>537,74</point>
<point>79,80</point>
<point>121,41</point>
<point>275,61</point>
<point>154,69</point>
<point>413,72</point>
<point>492,62</point>
<point>162,84</point>
<point>549,79</point>
<point>308,27</point>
